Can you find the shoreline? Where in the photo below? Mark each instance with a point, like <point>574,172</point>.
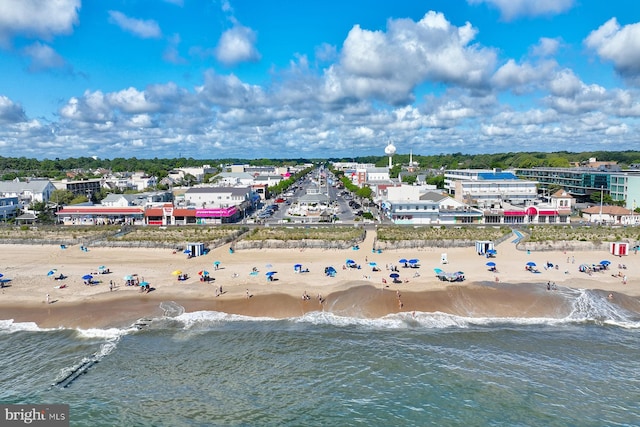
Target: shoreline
<point>367,292</point>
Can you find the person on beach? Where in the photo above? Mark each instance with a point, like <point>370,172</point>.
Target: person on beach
<point>248,295</point>
<point>110,285</point>
<point>48,299</point>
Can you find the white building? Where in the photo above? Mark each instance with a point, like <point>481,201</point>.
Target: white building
<point>27,192</point>
<point>414,205</point>
<point>219,197</point>
<point>494,193</point>
<point>233,179</point>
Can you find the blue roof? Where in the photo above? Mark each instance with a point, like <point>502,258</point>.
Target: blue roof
<point>496,175</point>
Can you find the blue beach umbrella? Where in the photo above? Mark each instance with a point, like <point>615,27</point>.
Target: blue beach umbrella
<point>297,266</point>
<point>403,261</point>
<point>414,261</point>
<point>350,261</point>
<point>129,277</point>
<point>144,283</point>
<point>438,271</point>
<point>373,264</point>
<point>52,272</point>
<point>186,251</point>
<point>87,277</point>
<point>216,263</point>
<point>270,273</point>
<point>490,264</point>
<point>605,262</point>
<point>394,275</point>
<point>1,275</point>
<point>531,264</point>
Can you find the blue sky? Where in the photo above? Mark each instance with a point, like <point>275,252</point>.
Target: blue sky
<point>287,79</point>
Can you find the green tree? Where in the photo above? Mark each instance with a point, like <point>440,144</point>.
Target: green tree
<point>61,197</point>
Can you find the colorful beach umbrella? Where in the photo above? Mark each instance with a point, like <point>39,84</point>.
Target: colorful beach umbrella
<point>87,277</point>
<point>176,272</point>
<point>203,273</point>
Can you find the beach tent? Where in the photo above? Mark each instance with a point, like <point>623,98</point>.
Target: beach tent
<point>482,246</point>
<point>443,258</point>
<point>619,248</point>
<point>195,249</point>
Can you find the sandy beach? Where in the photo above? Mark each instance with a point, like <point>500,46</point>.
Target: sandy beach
<point>512,291</point>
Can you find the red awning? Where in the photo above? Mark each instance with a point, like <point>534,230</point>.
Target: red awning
<point>514,213</point>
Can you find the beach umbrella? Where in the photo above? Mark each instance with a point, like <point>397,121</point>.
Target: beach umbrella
<point>373,264</point>
<point>403,261</point>
<point>102,267</point>
<point>297,266</point>
<point>531,264</point>
<point>270,273</point>
<point>87,277</point>
<point>177,272</point>
<point>414,261</point>
<point>394,275</point>
<point>186,251</point>
<point>1,275</point>
<point>605,262</point>
<point>350,261</point>
<point>268,265</point>
<point>438,271</point>
<point>490,264</point>
<point>216,263</point>
<point>52,272</point>
<point>203,273</point>
<point>144,283</point>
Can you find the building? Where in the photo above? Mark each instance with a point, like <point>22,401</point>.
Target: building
<point>454,175</point>
<point>85,187</point>
<point>579,182</point>
<point>9,207</point>
<point>27,192</point>
<point>612,215</point>
<point>412,205</point>
<point>626,186</point>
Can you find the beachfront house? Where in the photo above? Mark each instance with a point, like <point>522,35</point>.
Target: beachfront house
<point>27,192</point>
<point>612,215</point>
<point>414,205</point>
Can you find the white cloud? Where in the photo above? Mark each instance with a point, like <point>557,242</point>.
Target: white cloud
<point>545,47</point>
<point>389,65</point>
<point>620,45</point>
<point>146,29</point>
<point>37,18</point>
<point>237,45</point>
<point>512,9</point>
<point>43,57</point>
<point>10,112</point>
<point>522,77</point>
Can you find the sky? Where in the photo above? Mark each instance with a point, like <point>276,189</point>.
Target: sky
<point>215,79</point>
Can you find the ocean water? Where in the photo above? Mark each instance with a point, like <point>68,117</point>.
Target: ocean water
<point>208,368</point>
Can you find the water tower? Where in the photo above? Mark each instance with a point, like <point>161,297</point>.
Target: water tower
<point>390,150</point>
